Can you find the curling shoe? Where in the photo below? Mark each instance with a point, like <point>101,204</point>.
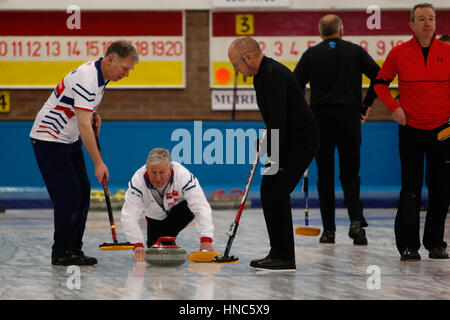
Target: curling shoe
<point>327,237</point>
<point>87,261</point>
<point>438,253</point>
<point>409,255</point>
<point>66,258</point>
<point>357,233</point>
<point>273,264</point>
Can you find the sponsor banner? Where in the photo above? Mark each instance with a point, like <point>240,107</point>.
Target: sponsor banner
<point>222,100</point>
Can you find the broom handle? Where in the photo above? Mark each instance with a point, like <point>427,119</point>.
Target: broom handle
<point>106,192</point>
<point>249,180</point>
<point>110,213</point>
<point>305,190</point>
<point>233,108</point>
<point>235,225</point>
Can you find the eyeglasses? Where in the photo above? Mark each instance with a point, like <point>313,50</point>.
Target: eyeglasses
<point>242,59</point>
<point>236,64</point>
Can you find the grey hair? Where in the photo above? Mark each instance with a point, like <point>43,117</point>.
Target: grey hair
<point>329,27</point>
<point>421,5</point>
<point>157,155</point>
<point>122,49</point>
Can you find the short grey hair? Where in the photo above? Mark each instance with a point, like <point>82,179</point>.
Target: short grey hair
<point>157,155</point>
<point>122,49</point>
<point>421,5</point>
<point>328,27</point>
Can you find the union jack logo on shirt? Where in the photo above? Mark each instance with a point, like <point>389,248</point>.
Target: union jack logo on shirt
<point>170,195</point>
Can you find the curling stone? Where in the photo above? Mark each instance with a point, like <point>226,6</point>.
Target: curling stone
<point>165,253</point>
<point>222,201</point>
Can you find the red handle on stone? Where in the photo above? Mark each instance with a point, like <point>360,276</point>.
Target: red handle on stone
<point>158,243</point>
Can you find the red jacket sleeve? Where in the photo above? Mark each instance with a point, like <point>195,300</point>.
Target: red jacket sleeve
<point>385,76</point>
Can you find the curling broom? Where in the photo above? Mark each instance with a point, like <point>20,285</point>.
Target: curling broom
<point>306,230</point>
<point>115,245</point>
<point>203,256</point>
<point>444,134</point>
<point>234,226</point>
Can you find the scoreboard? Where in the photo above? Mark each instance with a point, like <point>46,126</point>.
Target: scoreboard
<point>37,49</point>
<point>284,36</point>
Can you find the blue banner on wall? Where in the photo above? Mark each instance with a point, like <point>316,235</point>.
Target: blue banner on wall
<point>218,153</point>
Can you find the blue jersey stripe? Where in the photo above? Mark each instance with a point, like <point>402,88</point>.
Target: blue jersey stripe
<point>136,189</point>
<point>81,95</point>
<point>190,187</point>
<point>67,100</point>
<point>189,184</point>
<point>56,120</point>
<point>51,124</point>
<point>82,88</point>
<point>59,114</point>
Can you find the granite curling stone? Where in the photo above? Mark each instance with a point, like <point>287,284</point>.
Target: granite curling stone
<point>166,253</point>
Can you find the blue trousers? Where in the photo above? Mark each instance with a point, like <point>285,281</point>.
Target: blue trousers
<point>63,168</point>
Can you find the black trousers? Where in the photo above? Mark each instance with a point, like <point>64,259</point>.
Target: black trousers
<point>414,146</point>
<point>63,168</point>
<point>276,190</point>
<point>340,127</point>
<point>178,218</point>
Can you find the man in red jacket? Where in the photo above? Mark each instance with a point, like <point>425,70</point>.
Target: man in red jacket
<point>423,68</point>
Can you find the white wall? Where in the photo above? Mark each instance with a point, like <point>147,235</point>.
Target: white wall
<point>207,4</point>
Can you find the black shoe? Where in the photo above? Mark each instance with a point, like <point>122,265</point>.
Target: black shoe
<point>438,253</point>
<point>327,237</point>
<point>270,263</point>
<point>409,255</point>
<point>67,258</point>
<point>87,261</point>
<point>357,233</point>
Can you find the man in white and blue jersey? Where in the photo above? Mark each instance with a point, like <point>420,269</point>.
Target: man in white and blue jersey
<point>66,117</point>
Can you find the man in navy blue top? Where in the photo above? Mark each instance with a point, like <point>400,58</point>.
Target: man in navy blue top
<point>334,70</point>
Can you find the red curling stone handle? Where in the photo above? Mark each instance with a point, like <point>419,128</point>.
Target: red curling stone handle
<point>158,243</point>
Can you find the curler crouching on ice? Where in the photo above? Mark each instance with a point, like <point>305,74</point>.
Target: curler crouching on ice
<point>170,197</point>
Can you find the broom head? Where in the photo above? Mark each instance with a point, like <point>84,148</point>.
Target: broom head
<point>444,134</point>
<point>203,256</point>
<point>225,259</point>
<point>307,231</point>
<point>116,246</point>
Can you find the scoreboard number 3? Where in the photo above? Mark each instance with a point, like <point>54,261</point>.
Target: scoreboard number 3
<point>244,24</point>
<point>4,101</point>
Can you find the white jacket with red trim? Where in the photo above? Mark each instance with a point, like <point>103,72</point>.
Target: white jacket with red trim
<point>139,201</point>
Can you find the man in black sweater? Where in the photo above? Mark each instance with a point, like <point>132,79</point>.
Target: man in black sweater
<point>283,108</point>
<point>334,71</point>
